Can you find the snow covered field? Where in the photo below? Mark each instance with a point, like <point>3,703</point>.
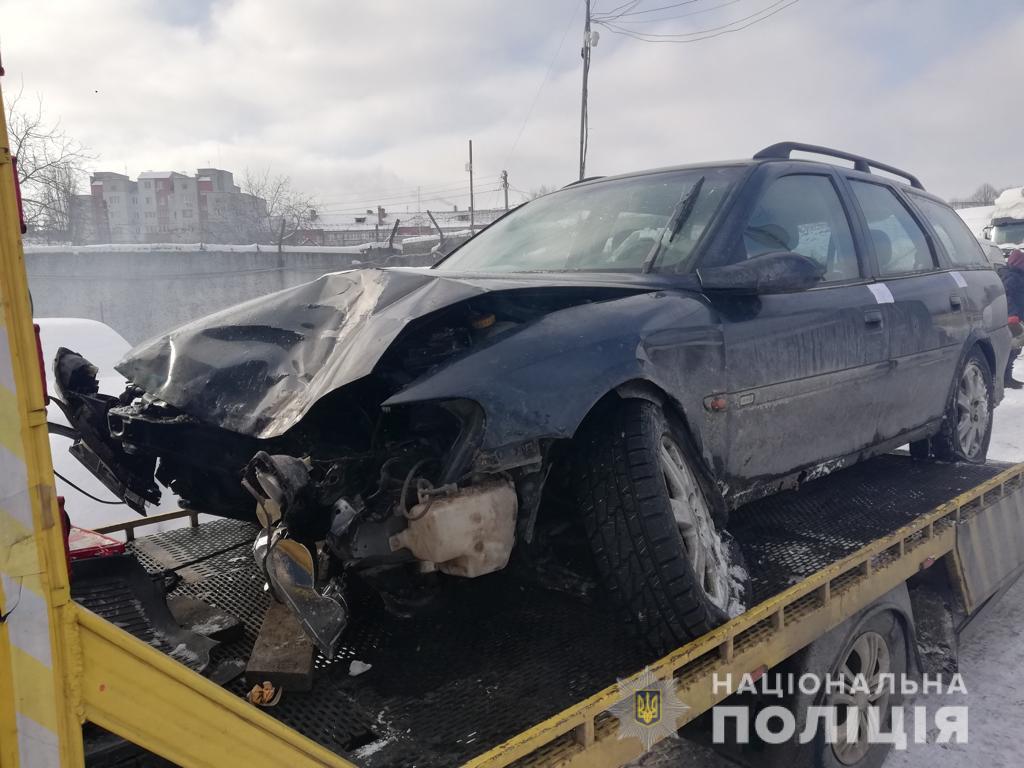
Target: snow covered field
<point>989,662</point>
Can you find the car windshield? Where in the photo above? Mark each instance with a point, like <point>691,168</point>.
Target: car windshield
<point>1008,233</point>
<point>608,225</point>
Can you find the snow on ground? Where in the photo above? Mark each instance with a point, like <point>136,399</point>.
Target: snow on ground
<point>977,217</point>
<point>989,663</point>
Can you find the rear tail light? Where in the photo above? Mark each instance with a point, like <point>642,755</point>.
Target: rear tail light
<point>84,544</point>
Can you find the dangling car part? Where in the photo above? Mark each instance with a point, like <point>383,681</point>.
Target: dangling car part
<point>280,486</point>
<point>659,348</point>
<point>291,575</point>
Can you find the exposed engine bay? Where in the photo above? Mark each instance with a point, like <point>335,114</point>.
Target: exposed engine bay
<point>353,485</point>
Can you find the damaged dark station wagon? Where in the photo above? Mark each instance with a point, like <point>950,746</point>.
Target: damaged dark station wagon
<point>630,358</point>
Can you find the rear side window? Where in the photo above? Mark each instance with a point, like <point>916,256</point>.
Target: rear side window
<point>963,247</point>
<point>900,244</point>
<point>803,214</point>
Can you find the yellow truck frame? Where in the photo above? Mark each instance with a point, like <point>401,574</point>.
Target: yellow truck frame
<point>61,665</point>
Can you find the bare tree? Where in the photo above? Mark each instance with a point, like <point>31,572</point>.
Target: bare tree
<point>540,191</point>
<point>277,211</point>
<point>986,194</point>
<point>50,166</point>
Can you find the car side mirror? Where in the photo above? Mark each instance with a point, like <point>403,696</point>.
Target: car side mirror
<point>987,233</point>
<point>773,272</point>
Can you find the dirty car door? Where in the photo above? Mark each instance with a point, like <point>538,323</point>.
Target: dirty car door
<point>803,368</point>
<point>924,308</point>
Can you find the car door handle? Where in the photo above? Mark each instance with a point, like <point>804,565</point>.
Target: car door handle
<point>873,318</point>
<point>955,302</point>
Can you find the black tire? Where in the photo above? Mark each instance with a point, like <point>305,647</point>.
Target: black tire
<point>887,626</point>
<point>623,497</point>
<point>812,746</point>
<point>949,444</point>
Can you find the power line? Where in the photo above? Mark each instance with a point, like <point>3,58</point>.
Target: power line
<point>622,10</point>
<point>630,12</point>
<point>703,34</point>
<point>706,30</point>
<point>679,15</point>
<point>547,76</point>
<point>357,209</point>
<point>407,197</point>
<point>396,192</point>
<point>357,197</point>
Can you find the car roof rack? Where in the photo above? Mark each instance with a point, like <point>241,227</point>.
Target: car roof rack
<point>782,151</point>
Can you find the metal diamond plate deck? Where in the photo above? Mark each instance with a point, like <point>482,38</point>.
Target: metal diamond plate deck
<point>500,656</point>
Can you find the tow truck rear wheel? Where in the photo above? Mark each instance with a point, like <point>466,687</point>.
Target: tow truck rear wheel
<point>858,670</point>
<point>878,648</point>
<point>644,506</point>
<point>967,425</point>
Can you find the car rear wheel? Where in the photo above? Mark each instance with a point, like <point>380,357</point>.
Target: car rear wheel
<point>668,568</point>
<point>967,425</point>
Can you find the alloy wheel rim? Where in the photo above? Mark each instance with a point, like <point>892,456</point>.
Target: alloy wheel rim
<point>973,412</point>
<point>862,669</point>
<point>690,510</point>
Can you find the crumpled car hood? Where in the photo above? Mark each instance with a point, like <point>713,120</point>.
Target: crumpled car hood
<point>258,367</point>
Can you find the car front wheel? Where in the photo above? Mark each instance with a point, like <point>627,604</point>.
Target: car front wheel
<point>669,570</point>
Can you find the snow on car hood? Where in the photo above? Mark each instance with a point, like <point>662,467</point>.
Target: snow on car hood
<point>258,367</point>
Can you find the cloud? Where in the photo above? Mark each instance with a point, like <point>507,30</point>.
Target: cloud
<point>360,101</point>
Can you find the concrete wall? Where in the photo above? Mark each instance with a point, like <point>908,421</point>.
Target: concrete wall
<point>141,294</point>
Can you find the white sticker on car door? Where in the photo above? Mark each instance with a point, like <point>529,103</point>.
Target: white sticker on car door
<point>958,279</point>
<point>882,293</point>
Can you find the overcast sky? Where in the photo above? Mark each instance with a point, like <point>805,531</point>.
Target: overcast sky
<point>365,101</point>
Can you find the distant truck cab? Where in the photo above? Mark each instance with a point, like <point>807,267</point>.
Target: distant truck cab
<point>1007,226</point>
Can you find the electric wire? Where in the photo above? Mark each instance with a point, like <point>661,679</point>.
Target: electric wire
<point>679,15</point>
<point>358,209</point>
<point>397,192</point>
<point>406,197</point>
<point>543,82</point>
<point>621,10</point>
<point>703,34</point>
<point>631,12</point>
<point>85,492</point>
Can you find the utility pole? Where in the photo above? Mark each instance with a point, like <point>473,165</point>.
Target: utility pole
<point>469,167</point>
<point>585,53</point>
<point>504,186</point>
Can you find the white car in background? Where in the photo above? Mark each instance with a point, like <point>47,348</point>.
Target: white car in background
<point>103,346</point>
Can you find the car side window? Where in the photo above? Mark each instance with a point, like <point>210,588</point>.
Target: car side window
<point>962,246</point>
<point>803,214</point>
<point>900,244</point>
